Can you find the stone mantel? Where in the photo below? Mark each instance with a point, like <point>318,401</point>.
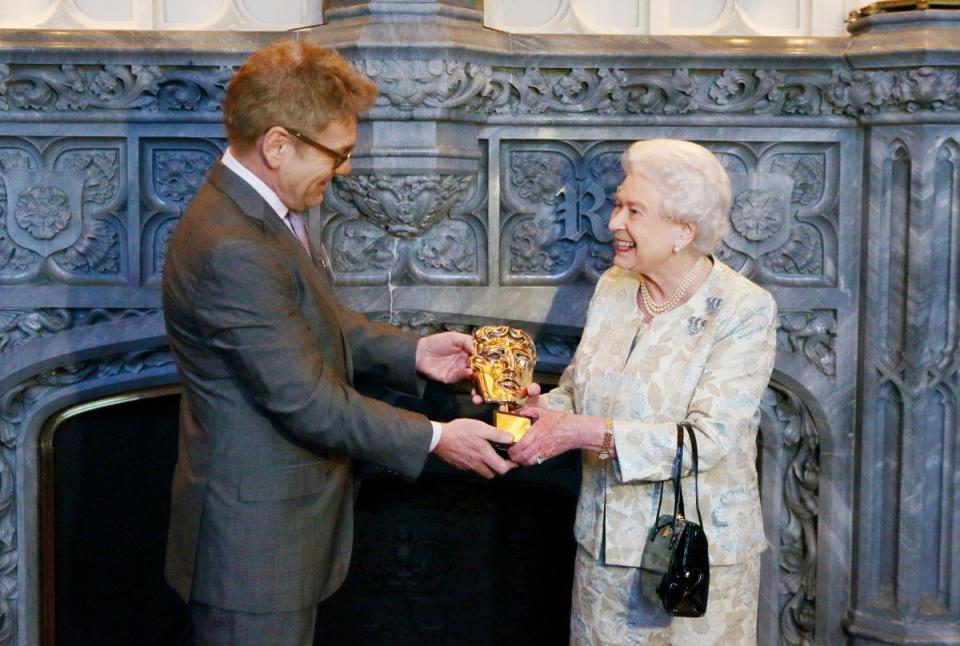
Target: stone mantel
<point>480,190</point>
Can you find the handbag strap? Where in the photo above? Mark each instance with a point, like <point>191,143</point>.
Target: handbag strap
<point>677,470</point>
<point>696,468</point>
<point>675,478</point>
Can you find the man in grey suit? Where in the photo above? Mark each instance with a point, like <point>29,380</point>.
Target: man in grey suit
<point>261,520</point>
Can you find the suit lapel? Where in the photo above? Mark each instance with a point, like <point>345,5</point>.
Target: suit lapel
<point>253,205</point>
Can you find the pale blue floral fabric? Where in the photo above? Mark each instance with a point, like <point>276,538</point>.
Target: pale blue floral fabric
<point>707,361</point>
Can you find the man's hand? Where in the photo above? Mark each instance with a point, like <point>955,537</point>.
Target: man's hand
<point>465,444</point>
<point>445,356</point>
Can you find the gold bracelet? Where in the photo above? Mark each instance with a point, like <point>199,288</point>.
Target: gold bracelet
<point>604,453</point>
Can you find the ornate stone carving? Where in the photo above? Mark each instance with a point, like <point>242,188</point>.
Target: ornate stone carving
<point>179,174</point>
<point>408,85</point>
<point>860,92</point>
<point>448,84</point>
<point>361,246</point>
<point>403,205</point>
<point>406,227</point>
<point>927,88</point>
<point>756,215</point>
<point>556,203</point>
<point>96,251</point>
<point>536,247</point>
<point>555,350</point>
<point>803,253</point>
<point>194,90</point>
<point>450,247</point>
<point>808,173</point>
<point>161,243</point>
<point>783,213</point>
<point>58,215</point>
<point>69,87</point>
<point>13,256</point>
<point>20,326</point>
<point>800,463</point>
<point>811,334</point>
<point>540,177</point>
<point>43,211</point>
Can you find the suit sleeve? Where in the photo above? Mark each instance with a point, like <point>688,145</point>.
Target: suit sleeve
<point>725,402</point>
<point>383,352</point>
<point>248,311</point>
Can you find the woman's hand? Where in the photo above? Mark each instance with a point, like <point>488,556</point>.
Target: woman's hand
<point>551,434</point>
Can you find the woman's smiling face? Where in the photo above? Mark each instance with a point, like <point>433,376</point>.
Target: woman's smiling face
<point>643,238</point>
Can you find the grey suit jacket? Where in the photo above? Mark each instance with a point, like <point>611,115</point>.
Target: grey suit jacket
<point>261,517</point>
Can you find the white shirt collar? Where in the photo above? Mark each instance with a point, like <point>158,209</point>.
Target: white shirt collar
<point>257,184</point>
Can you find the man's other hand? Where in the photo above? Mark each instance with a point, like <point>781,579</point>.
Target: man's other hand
<point>445,357</point>
<point>465,444</point>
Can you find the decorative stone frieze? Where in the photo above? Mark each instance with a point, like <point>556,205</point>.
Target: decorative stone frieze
<point>71,87</point>
<point>495,90</point>
<point>20,326</point>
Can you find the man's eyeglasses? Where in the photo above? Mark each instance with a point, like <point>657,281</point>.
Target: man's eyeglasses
<point>339,159</point>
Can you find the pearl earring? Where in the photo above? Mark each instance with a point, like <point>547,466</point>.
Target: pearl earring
<point>676,248</point>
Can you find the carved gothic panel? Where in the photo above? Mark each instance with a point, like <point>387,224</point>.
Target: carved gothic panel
<point>62,212</point>
<point>397,229</point>
<point>556,199</point>
<point>784,221</point>
<point>172,170</point>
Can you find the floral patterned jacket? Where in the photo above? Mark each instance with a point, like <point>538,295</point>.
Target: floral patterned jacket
<point>707,361</point>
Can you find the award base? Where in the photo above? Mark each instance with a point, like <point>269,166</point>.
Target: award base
<point>515,425</point>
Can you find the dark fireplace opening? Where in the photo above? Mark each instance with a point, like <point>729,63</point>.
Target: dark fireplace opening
<point>448,559</point>
<point>107,466</point>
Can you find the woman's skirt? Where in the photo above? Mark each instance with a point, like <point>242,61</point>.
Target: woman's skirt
<point>609,608</point>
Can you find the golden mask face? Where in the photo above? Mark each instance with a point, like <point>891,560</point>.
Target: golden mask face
<point>503,363</point>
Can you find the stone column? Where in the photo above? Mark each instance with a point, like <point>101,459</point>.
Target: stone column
<point>412,209</point>
<point>906,89</point>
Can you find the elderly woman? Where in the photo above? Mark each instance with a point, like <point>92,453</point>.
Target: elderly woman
<point>671,334</point>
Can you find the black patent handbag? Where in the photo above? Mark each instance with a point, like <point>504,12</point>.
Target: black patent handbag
<point>675,555</point>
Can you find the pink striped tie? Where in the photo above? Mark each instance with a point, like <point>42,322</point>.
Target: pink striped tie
<point>300,230</point>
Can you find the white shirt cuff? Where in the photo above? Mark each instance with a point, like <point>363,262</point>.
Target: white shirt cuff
<point>437,432</point>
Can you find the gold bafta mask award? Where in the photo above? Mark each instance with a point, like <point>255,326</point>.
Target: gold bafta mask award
<point>503,368</point>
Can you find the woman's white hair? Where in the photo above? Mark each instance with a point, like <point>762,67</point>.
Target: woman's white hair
<point>692,181</point>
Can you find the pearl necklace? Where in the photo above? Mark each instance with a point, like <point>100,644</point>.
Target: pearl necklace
<point>674,299</point>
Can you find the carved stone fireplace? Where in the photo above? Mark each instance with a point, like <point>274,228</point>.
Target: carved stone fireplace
<point>479,193</point>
